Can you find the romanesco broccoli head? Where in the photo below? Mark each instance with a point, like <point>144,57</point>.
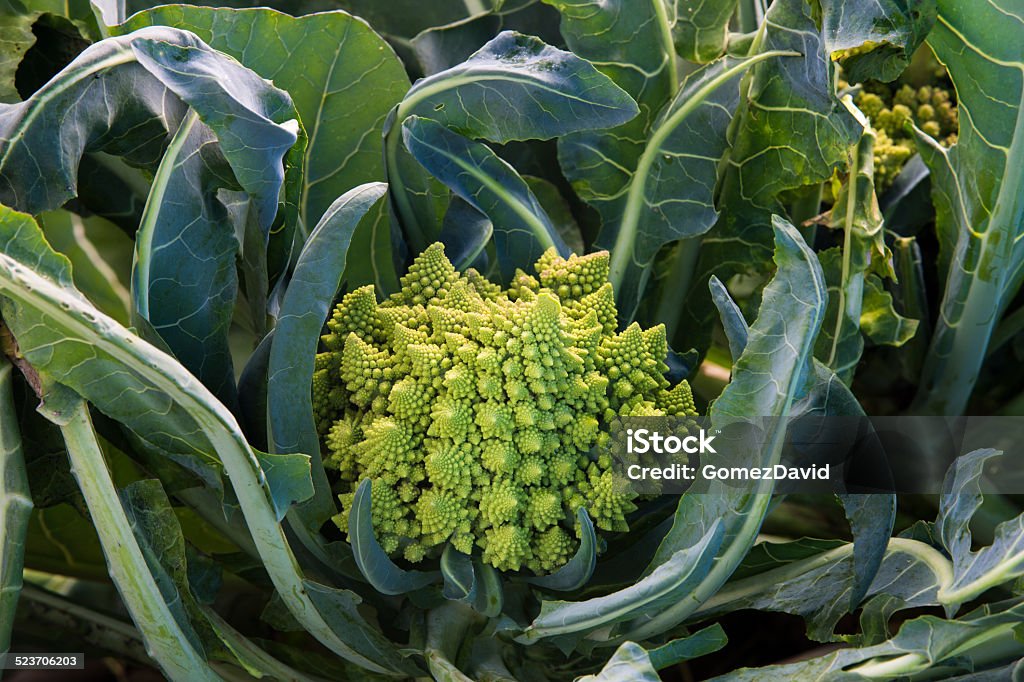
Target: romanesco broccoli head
<point>891,110</point>
<point>475,411</point>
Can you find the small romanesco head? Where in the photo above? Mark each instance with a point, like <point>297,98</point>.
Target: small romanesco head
<point>475,411</point>
<point>892,110</point>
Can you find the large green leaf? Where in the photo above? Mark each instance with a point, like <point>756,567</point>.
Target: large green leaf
<point>15,507</point>
<point>311,291</point>
<point>522,229</point>
<point>871,516</point>
<point>789,131</point>
<point>556,93</point>
<point>771,372</point>
<point>631,43</point>
<point>66,338</point>
<point>124,96</point>
<point>670,193</point>
<point>978,189</point>
<point>975,571</point>
<point>669,584</point>
<point>770,375</point>
<point>342,77</point>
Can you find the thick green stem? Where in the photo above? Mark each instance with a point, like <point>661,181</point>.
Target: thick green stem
<point>166,642</point>
<point>151,214</point>
<point>975,299</point>
<point>15,508</point>
<point>668,44</point>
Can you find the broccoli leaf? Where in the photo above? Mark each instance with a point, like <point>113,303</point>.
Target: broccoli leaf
<point>670,194</point>
<point>341,75</point>
<point>975,571</point>
<point>374,563</point>
<point>789,131</point>
<point>871,516</point>
<point>921,644</point>
<point>769,376</point>
<point>125,96</point>
<point>556,93</point>
<point>701,29</point>
<point>978,191</point>
<point>652,180</point>
<point>315,281</point>
<point>522,229</point>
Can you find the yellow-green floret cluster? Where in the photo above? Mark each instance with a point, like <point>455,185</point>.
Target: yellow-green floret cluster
<point>475,410</point>
<point>929,107</point>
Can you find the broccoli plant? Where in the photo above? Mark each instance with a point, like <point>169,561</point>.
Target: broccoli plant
<point>317,324</point>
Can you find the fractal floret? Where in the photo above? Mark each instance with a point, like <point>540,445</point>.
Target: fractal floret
<point>476,411</point>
